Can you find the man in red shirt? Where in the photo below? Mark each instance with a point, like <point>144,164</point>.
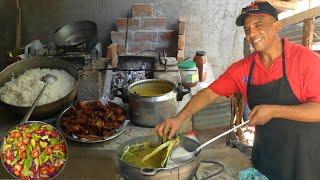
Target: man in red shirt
<point>280,83</point>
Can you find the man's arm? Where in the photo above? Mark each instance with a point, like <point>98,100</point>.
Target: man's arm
<point>170,126</point>
<point>306,112</point>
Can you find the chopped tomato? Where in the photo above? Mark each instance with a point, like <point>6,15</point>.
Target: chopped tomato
<point>21,146</point>
<point>25,141</point>
<point>52,169</point>
<point>44,170</point>
<point>48,150</point>
<point>54,134</point>
<point>18,167</point>
<point>35,154</point>
<point>17,173</point>
<point>47,133</point>
<point>28,135</point>
<point>9,155</point>
<point>57,147</point>
<point>15,134</point>
<point>38,131</point>
<point>22,155</point>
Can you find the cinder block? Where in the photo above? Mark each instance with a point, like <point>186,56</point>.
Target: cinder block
<point>142,10</point>
<point>143,36</point>
<point>111,49</point>
<point>133,24</point>
<point>120,37</point>
<point>181,41</point>
<point>180,55</point>
<point>182,25</point>
<point>154,23</point>
<point>167,35</point>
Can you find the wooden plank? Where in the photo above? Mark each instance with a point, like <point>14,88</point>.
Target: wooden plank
<point>307,33</point>
<point>308,14</point>
<point>284,5</point>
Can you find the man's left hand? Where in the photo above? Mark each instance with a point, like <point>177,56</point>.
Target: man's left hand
<point>261,114</point>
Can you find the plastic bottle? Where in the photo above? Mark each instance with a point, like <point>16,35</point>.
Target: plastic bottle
<point>202,64</point>
<point>189,73</point>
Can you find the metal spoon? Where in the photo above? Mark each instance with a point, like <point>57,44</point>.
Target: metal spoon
<point>189,155</point>
<point>47,79</point>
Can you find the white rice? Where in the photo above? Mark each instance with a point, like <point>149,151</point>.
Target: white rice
<point>24,90</point>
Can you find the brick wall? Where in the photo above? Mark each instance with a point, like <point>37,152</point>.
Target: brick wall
<point>145,32</point>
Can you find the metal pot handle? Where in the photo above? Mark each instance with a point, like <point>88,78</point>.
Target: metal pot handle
<point>148,172</point>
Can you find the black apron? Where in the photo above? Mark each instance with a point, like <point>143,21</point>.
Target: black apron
<point>283,149</point>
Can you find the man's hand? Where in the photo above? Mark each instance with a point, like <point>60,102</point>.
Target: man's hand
<point>261,114</point>
<point>168,128</point>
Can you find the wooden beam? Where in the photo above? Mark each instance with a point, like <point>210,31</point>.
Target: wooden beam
<point>284,5</point>
<point>308,14</point>
<point>307,33</point>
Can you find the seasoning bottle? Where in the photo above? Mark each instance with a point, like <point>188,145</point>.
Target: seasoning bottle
<point>202,64</point>
<point>189,73</point>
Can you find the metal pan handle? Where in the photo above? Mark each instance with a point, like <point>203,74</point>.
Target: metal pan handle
<point>148,172</point>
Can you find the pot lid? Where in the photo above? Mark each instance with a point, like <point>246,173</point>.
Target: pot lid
<point>188,64</point>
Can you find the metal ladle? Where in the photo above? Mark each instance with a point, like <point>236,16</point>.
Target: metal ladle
<point>47,79</point>
<point>189,155</point>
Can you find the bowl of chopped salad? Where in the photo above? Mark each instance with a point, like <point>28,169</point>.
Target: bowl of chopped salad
<point>34,150</point>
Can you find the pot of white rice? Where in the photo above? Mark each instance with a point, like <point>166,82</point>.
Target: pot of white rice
<point>20,84</point>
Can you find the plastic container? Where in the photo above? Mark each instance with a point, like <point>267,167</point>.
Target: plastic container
<point>202,64</point>
<point>189,73</point>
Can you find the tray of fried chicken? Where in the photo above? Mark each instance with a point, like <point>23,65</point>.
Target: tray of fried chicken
<point>92,121</point>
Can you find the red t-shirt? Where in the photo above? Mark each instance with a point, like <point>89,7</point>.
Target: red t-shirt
<point>302,66</point>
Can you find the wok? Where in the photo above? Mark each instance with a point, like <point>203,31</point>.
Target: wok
<point>79,36</point>
<point>185,170</point>
<point>45,110</point>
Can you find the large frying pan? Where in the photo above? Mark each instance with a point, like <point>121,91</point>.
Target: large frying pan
<point>79,36</point>
<point>46,110</point>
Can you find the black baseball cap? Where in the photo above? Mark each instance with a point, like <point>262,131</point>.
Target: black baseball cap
<point>262,7</point>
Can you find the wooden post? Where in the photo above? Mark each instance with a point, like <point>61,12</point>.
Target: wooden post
<point>307,32</point>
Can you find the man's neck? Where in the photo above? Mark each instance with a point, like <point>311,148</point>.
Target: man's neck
<point>272,53</point>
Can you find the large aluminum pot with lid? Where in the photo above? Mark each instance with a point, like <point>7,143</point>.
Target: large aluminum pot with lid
<point>153,100</point>
<point>181,171</point>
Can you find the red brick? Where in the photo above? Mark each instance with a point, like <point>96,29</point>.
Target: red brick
<point>154,23</point>
<point>142,36</point>
<point>120,37</point>
<point>142,9</point>
<point>167,35</point>
<point>181,41</point>
<point>133,24</point>
<point>112,47</point>
<point>180,55</point>
<point>134,47</point>
<point>121,48</point>
<point>182,25</point>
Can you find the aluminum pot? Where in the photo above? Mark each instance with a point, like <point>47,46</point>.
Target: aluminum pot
<point>151,101</point>
<point>180,172</point>
<point>45,110</point>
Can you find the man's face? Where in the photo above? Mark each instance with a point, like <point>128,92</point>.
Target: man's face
<point>260,32</point>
